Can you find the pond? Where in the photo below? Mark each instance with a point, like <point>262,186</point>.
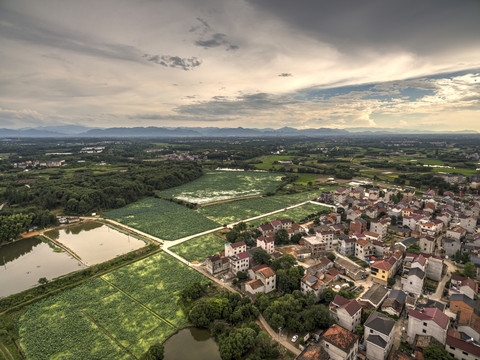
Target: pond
<point>25,261</point>
<point>95,242</point>
<point>191,343</point>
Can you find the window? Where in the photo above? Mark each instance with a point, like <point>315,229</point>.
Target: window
<point>425,324</point>
<point>451,347</point>
<point>327,345</point>
<point>371,331</point>
<point>424,331</point>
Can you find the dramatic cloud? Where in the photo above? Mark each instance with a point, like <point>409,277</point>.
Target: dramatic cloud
<point>250,63</point>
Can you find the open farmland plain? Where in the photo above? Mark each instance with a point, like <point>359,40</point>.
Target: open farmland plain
<point>117,316</point>
<point>224,185</point>
<point>163,219</point>
<point>199,248</point>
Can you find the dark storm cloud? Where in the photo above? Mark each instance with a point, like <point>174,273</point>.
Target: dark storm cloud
<point>241,105</point>
<point>24,28</point>
<point>285,75</point>
<point>174,61</point>
<point>210,39</point>
<point>421,26</point>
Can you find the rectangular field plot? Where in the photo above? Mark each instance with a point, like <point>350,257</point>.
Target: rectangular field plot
<point>295,214</point>
<point>199,248</point>
<point>224,185</point>
<point>163,219</point>
<point>126,320</point>
<point>229,212</point>
<point>116,320</point>
<point>156,282</point>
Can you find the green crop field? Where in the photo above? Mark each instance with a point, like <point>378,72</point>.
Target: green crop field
<point>229,212</point>
<point>199,248</point>
<point>118,316</point>
<point>161,218</point>
<point>224,185</point>
<point>295,214</point>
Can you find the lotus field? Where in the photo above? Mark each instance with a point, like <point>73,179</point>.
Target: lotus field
<point>199,248</point>
<point>295,214</point>
<point>163,219</point>
<point>118,316</point>
<point>224,185</point>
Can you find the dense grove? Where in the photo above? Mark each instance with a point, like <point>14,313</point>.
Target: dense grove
<point>85,191</point>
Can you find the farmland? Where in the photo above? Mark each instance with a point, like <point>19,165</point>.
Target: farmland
<point>84,322</point>
<point>224,185</point>
<point>295,214</point>
<point>163,219</point>
<point>199,248</point>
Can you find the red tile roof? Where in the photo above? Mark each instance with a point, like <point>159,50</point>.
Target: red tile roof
<point>340,337</point>
<point>238,244</point>
<point>382,264</point>
<point>242,255</point>
<point>267,272</point>
<point>432,314</point>
<point>255,284</point>
<point>453,339</point>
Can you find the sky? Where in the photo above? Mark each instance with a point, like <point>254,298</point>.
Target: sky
<point>253,63</point>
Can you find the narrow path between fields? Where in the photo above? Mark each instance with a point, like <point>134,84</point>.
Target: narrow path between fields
<point>139,303</point>
<point>106,332</point>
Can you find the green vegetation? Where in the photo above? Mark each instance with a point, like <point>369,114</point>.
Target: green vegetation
<point>84,322</point>
<point>199,248</point>
<point>162,218</point>
<point>296,214</point>
<point>224,185</point>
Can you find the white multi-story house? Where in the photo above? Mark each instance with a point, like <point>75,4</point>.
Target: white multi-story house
<point>380,227</point>
<point>267,243</point>
<point>429,321</point>
<point>265,281</point>
<point>363,249</point>
<point>239,262</point>
<point>348,313</point>
<point>469,223</point>
<point>378,336</point>
<point>413,281</point>
<point>235,248</point>
<point>347,246</point>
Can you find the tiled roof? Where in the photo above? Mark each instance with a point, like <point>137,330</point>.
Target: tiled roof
<point>352,307</point>
<point>362,242</point>
<point>340,337</point>
<point>242,255</point>
<point>267,272</point>
<point>416,272</point>
<point>238,244</point>
<point>453,339</point>
<point>432,314</point>
<point>258,267</point>
<point>377,340</point>
<point>314,352</point>
<point>473,321</point>
<point>380,323</point>
<point>421,260</point>
<point>463,298</point>
<point>398,295</point>
<point>468,282</point>
<point>340,301</point>
<point>382,265</point>
<point>255,284</point>
<point>375,294</point>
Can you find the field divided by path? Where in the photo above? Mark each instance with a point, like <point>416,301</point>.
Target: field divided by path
<point>117,316</point>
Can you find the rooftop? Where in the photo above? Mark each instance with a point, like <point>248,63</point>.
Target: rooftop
<point>340,337</point>
<point>380,323</point>
<point>432,314</point>
<point>375,294</point>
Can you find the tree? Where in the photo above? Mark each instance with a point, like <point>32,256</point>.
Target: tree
<point>435,352</point>
<point>43,281</point>
<point>359,330</point>
<point>328,295</point>
<point>331,256</point>
<point>469,270</point>
<point>281,237</point>
<point>391,281</point>
<point>260,256</point>
<point>155,352</point>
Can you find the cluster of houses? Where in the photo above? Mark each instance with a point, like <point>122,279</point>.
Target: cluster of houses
<point>37,163</point>
<point>379,231</point>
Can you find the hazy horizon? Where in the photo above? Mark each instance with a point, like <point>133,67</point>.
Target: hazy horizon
<point>243,63</point>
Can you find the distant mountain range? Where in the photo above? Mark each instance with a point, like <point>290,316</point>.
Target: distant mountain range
<point>170,132</point>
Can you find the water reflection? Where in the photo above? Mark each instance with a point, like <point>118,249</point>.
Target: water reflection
<point>192,343</point>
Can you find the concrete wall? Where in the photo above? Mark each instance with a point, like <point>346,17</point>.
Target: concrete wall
<point>417,327</point>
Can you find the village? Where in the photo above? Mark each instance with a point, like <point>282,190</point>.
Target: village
<point>407,263</point>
